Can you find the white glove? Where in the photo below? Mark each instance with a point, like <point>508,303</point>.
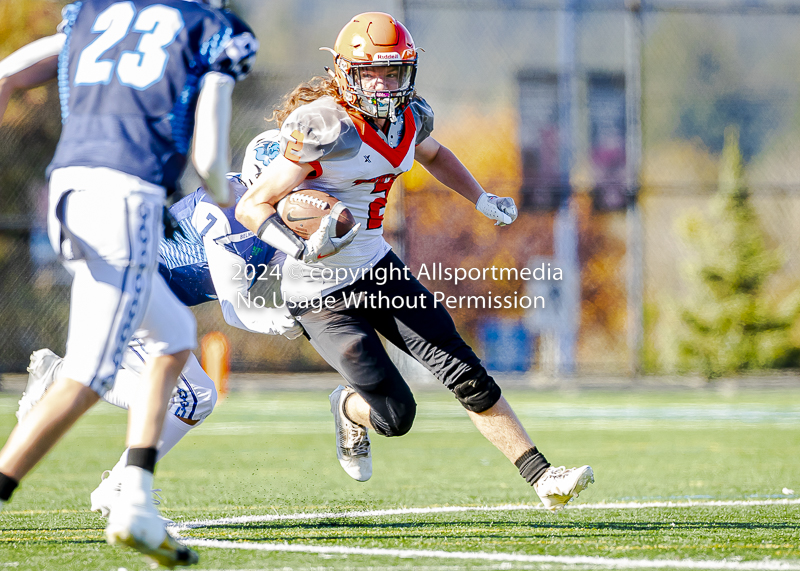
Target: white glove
<point>292,331</point>
<point>503,210</point>
<point>323,242</point>
<point>278,321</point>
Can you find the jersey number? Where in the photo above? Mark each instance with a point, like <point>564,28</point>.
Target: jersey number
<point>211,221</point>
<point>159,26</point>
<point>383,184</point>
<point>294,147</point>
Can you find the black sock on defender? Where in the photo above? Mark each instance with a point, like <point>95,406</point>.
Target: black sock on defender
<point>7,487</point>
<point>532,465</point>
<point>144,458</point>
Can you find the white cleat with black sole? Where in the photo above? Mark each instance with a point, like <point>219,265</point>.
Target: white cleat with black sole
<point>558,486</point>
<point>352,440</point>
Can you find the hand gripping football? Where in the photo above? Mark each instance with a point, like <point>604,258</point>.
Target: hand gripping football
<point>303,210</point>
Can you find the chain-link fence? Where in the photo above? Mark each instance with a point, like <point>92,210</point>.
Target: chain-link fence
<point>494,72</point>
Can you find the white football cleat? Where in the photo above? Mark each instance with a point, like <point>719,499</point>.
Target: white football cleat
<point>42,373</point>
<point>557,486</point>
<point>135,522</point>
<point>104,495</point>
<point>352,440</point>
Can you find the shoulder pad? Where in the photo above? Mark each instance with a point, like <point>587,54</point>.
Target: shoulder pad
<point>319,129</point>
<point>259,153</point>
<point>423,117</point>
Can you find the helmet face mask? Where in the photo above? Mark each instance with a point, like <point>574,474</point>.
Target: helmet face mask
<point>375,65</point>
<point>381,90</point>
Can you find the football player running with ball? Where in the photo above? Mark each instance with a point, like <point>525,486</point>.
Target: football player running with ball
<point>133,76</point>
<point>352,135</point>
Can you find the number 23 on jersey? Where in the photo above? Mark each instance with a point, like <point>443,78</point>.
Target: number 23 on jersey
<point>158,25</point>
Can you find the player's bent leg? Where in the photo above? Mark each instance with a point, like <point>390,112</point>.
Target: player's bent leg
<point>349,343</point>
<point>430,336</point>
<point>194,396</point>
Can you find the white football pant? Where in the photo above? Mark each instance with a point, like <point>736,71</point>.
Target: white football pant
<point>107,226</point>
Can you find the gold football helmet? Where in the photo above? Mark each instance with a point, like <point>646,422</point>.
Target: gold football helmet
<point>375,65</point>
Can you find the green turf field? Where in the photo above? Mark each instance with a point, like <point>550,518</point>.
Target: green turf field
<point>271,456</point>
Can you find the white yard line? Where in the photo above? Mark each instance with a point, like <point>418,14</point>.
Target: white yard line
<point>454,509</point>
<point>601,562</point>
<point>606,562</point>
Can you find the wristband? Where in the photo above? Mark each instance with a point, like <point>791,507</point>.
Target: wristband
<point>277,234</point>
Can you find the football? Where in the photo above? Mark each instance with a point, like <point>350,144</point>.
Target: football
<point>303,210</point>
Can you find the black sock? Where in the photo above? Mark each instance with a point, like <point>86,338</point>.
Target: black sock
<point>7,487</point>
<point>144,458</point>
<point>344,409</point>
<point>532,465</point>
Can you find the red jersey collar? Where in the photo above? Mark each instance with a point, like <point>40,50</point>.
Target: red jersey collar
<point>371,137</point>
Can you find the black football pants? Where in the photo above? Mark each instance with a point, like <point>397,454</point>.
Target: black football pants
<point>347,338</point>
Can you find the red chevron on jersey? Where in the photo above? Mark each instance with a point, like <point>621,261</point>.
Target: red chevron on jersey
<point>370,137</point>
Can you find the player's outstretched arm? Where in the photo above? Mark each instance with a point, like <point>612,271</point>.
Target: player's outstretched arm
<point>212,134</point>
<point>227,273</point>
<point>29,66</point>
<point>447,169</point>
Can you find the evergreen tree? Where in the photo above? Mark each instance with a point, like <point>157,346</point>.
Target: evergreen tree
<point>729,324</point>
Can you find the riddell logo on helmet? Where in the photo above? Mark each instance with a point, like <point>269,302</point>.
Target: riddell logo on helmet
<point>387,55</point>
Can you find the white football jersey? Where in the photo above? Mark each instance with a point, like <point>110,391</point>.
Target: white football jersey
<point>353,163</point>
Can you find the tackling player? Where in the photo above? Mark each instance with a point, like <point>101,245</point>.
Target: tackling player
<point>205,261</point>
<point>352,135</point>
<point>133,75</point>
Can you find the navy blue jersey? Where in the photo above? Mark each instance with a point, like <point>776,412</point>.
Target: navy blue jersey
<point>129,76</point>
<point>183,262</point>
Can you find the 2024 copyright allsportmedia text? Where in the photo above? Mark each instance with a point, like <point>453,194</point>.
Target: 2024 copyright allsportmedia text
<point>382,275</point>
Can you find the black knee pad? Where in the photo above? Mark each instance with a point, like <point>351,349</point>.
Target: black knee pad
<point>477,392</point>
<point>399,421</point>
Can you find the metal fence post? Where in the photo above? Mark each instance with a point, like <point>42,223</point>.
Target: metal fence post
<point>634,250</point>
